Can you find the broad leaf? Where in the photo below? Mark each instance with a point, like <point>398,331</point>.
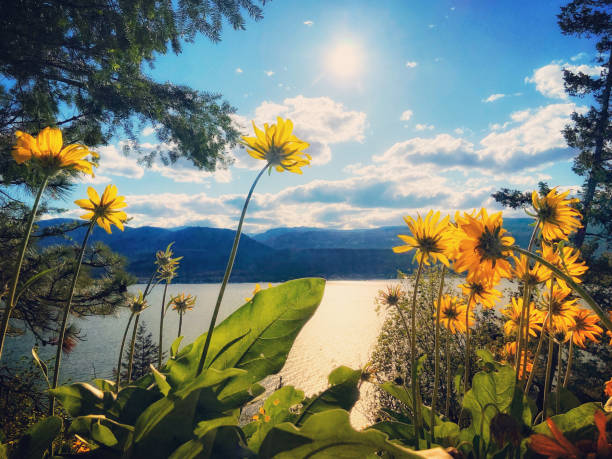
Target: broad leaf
<point>274,318</point>
<point>576,424</point>
<point>342,393</point>
<point>82,399</point>
<point>328,435</point>
<point>38,438</point>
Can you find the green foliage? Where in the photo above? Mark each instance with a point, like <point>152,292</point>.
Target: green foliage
<point>38,438</point>
<point>145,353</point>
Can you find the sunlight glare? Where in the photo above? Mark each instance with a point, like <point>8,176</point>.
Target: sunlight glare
<point>344,60</point>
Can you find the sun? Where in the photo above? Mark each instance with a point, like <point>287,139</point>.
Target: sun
<point>344,60</point>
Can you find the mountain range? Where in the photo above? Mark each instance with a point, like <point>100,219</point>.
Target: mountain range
<point>276,255</point>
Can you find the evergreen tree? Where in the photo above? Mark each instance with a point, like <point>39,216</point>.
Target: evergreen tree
<point>78,65</point>
<point>590,133</point>
<point>145,354</point>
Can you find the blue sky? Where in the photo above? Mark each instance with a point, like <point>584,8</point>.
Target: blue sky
<point>407,106</point>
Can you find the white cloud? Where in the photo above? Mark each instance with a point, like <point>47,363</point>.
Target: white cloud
<point>411,64</point>
<point>549,78</point>
<point>148,131</point>
<point>493,98</point>
<point>308,23</point>
<point>113,162</point>
<point>269,72</point>
<point>579,56</point>
<point>459,131</point>
<point>424,127</point>
<point>183,171</point>
<point>406,115</point>
<point>239,70</point>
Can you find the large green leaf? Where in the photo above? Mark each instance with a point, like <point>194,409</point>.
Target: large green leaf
<point>273,319</point>
<point>38,438</point>
<point>494,391</point>
<point>170,421</point>
<point>328,434</point>
<point>82,399</point>
<point>577,423</point>
<point>279,407</point>
<point>342,393</point>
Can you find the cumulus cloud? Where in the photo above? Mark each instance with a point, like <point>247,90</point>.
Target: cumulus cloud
<point>308,23</point>
<point>113,162</point>
<point>406,115</point>
<point>239,70</point>
<point>493,98</point>
<point>549,78</point>
<point>411,64</point>
<point>579,56</point>
<point>424,127</point>
<point>269,72</point>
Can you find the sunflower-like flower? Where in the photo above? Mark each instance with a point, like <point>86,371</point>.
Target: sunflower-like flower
<point>430,237</point>
<point>556,217</point>
<point>391,296</point>
<point>452,314</point>
<point>278,146</point>
<point>482,291</point>
<point>566,259</point>
<point>46,149</point>
<point>513,312</point>
<point>104,210</point>
<point>510,351</point>
<point>531,276</point>
<point>182,303</point>
<point>562,310</point>
<point>483,248</point>
<point>166,264</point>
<point>138,303</point>
<point>585,328</point>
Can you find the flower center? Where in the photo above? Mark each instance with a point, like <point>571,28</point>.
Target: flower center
<point>490,246</point>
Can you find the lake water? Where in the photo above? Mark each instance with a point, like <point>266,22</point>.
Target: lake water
<point>342,331</point>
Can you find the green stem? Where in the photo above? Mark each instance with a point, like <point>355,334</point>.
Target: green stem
<point>570,356</point>
<point>521,329</point>
<point>132,345</point>
<point>466,375</point>
<point>414,380</point>
<point>527,324</point>
<point>11,303</point>
<point>535,358</point>
<point>550,353</point>
<point>437,353</point>
<point>180,324</point>
<point>576,287</point>
<point>448,375</point>
<point>558,384</point>
<point>121,352</point>
<point>161,326</point>
<point>228,271</point>
<point>60,342</point>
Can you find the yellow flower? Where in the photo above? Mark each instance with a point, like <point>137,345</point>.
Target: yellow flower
<point>556,216</point>
<point>452,314</point>
<point>278,146</point>
<point>513,312</point>
<point>182,303</point>
<point>608,388</point>
<point>482,249</point>
<point>530,276</point>
<point>392,296</point>
<point>584,328</point>
<point>255,291</point>
<point>510,351</point>
<point>166,265</point>
<point>482,291</point>
<point>138,303</point>
<point>105,210</point>
<point>47,150</point>
<point>566,259</point>
<point>430,238</point>
<point>562,310</point>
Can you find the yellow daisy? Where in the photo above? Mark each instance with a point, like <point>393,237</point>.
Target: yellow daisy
<point>531,276</point>
<point>430,237</point>
<point>104,210</point>
<point>562,310</point>
<point>556,216</point>
<point>47,150</point>
<point>452,314</point>
<point>482,291</point>
<point>513,312</point>
<point>482,249</point>
<point>585,328</point>
<point>566,259</point>
<point>278,146</point>
<point>182,303</point>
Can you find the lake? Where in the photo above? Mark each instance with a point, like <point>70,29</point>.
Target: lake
<point>342,331</point>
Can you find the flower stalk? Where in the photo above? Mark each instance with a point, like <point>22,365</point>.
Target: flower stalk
<point>547,381</point>
<point>448,375</point>
<point>132,345</point>
<point>58,355</point>
<point>228,272</point>
<point>467,345</point>
<point>570,356</point>
<point>11,303</point>
<point>414,379</point>
<point>161,326</point>
<point>127,328</point>
<point>535,357</point>
<point>437,353</point>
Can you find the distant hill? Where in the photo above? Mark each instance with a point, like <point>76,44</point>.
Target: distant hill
<point>276,255</point>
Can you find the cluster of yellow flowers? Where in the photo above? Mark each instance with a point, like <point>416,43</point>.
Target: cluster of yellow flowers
<point>477,244</point>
